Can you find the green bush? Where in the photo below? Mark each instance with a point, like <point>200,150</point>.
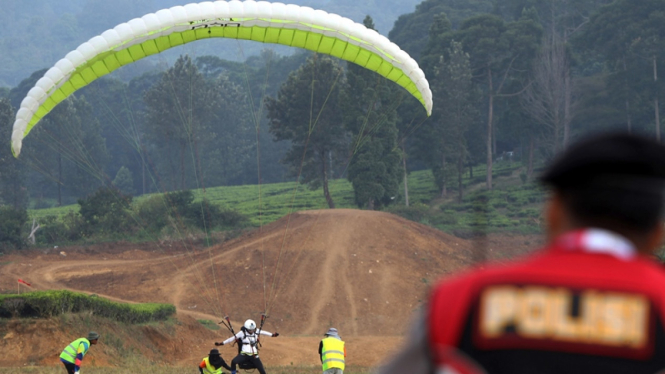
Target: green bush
<point>443,219</point>
<point>69,228</point>
<point>181,207</point>
<point>153,213</point>
<point>207,215</point>
<point>500,204</point>
<point>179,204</point>
<point>51,230</point>
<point>45,304</point>
<point>416,212</point>
<point>482,207</point>
<point>107,211</point>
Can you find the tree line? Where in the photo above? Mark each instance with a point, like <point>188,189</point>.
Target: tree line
<point>510,79</point>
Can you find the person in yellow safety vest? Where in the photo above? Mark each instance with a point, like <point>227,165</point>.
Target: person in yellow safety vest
<point>213,364</point>
<point>73,354</point>
<point>332,352</point>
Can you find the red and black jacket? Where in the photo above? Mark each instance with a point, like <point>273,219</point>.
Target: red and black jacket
<point>587,304</point>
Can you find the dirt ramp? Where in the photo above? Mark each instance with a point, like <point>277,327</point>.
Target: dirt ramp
<point>357,270</point>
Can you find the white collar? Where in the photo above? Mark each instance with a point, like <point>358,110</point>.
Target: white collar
<point>594,240</point>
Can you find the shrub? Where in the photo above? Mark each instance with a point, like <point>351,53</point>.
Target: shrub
<point>207,215</point>
<point>179,203</point>
<point>107,211</point>
<point>500,204</point>
<point>416,212</point>
<point>75,226</point>
<point>70,227</point>
<point>44,304</point>
<point>181,208</point>
<point>153,213</point>
<point>482,207</point>
<point>51,230</point>
<point>444,219</point>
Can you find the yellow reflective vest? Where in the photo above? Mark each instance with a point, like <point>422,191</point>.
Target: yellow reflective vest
<point>69,353</point>
<point>332,353</point>
<point>209,369</point>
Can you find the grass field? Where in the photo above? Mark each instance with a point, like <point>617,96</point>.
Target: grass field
<point>147,369</point>
<point>512,206</point>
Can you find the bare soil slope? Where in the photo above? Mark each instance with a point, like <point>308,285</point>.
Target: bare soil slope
<point>363,272</point>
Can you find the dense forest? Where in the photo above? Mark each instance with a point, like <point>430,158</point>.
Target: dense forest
<point>511,79</point>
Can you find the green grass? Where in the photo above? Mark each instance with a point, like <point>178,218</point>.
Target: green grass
<point>209,324</point>
<point>55,211</point>
<point>278,199</point>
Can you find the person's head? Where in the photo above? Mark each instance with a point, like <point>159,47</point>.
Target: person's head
<point>332,332</point>
<point>215,358</point>
<point>612,181</point>
<point>93,337</point>
<point>250,326</point>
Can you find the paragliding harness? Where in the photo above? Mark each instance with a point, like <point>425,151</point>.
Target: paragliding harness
<point>247,366</point>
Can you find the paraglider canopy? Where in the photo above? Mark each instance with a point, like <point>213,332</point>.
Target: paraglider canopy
<point>291,25</point>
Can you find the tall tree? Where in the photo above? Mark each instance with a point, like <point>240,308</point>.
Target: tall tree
<point>457,110</point>
<point>306,113</point>
<point>179,108</point>
<point>118,107</point>
<point>550,98</point>
<point>410,30</point>
<point>440,36</point>
<point>91,156</point>
<point>626,30</point>
<point>499,52</point>
<point>231,140</point>
<point>369,107</point>
<point>123,181</point>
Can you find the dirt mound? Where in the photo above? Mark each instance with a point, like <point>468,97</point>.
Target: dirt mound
<point>363,272</point>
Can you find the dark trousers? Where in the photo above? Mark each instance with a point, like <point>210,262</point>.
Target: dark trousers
<point>70,367</point>
<point>243,360</point>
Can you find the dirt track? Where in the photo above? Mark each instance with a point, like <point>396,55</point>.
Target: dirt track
<point>362,272</point>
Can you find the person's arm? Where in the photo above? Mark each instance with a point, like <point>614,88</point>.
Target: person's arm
<point>266,333</point>
<point>321,351</point>
<point>81,350</point>
<point>414,356</point>
<point>231,339</point>
<point>225,365</point>
<point>344,350</point>
<point>201,366</point>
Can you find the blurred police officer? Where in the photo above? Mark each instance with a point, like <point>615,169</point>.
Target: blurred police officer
<point>591,301</point>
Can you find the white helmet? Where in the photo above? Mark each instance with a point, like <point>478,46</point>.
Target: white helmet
<point>250,325</point>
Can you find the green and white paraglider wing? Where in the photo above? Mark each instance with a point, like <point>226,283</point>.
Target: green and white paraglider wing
<point>261,21</point>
